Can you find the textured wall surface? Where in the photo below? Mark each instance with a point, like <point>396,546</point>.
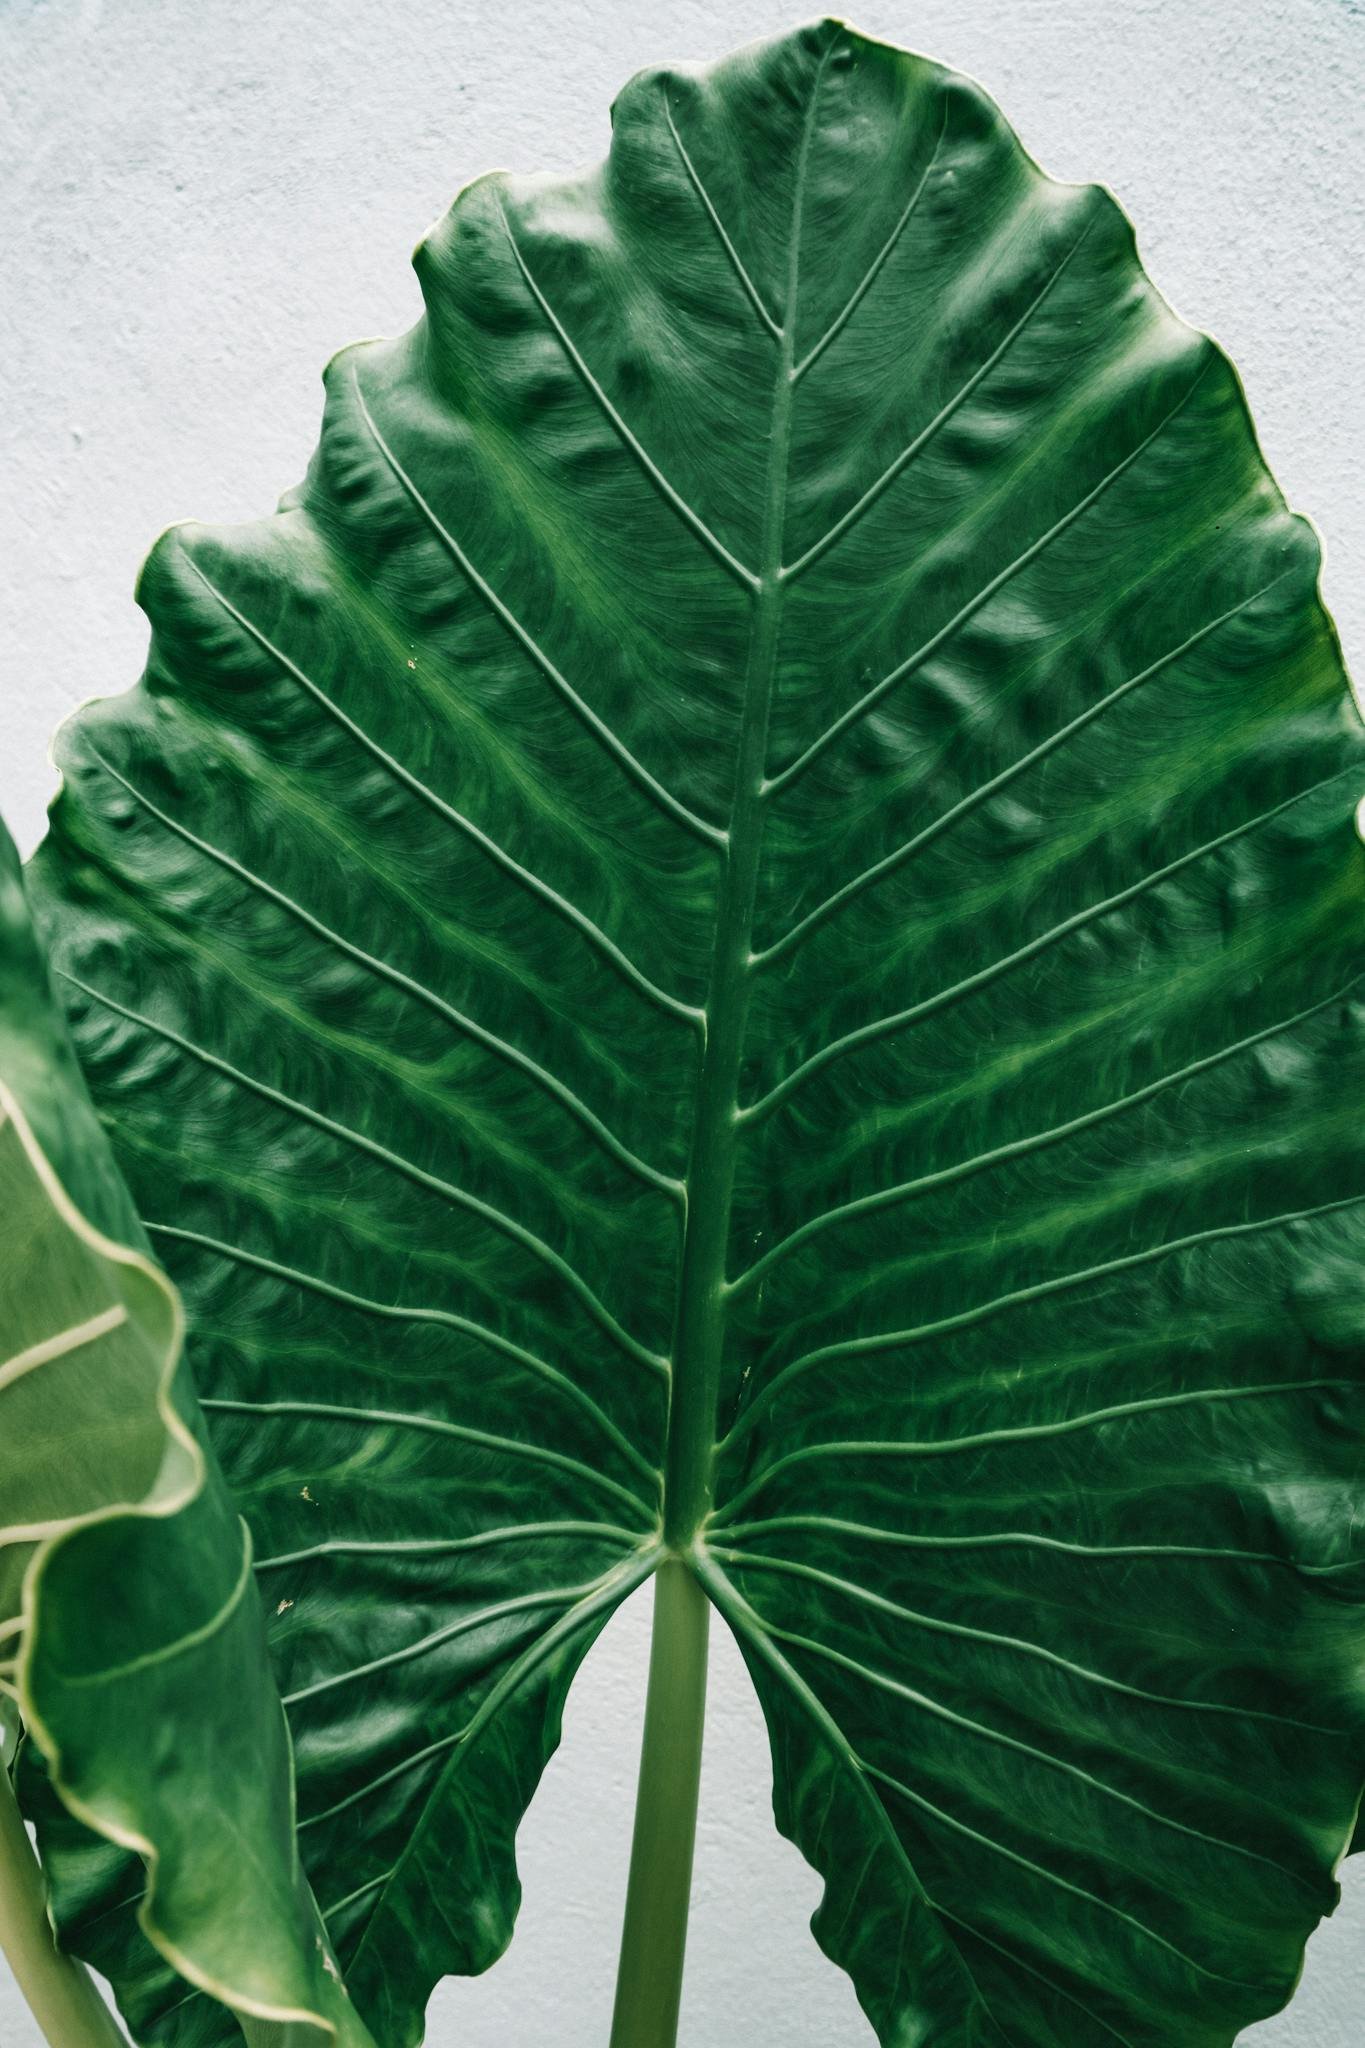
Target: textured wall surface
<point>203,202</point>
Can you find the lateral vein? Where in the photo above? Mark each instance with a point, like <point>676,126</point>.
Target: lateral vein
<point>958,991</point>
<point>607,1593</point>
<point>431,1425</point>
<point>499,1610</point>
<point>394,1162</point>
<point>1004,1539</point>
<point>1035,1141</point>
<point>868,702</point>
<point>747,1623</point>
<point>422,791</point>
<point>446,1546</point>
<point>1090,1898</point>
<point>837,325</point>
<point>383,970</point>
<point>889,864</point>
<point>709,834</point>
<point>883,1681</point>
<point>690,518</point>
<point>1062,1283</point>
<point>62,1342</point>
<point>751,290</point>
<point>921,441</point>
<point>933,1624</point>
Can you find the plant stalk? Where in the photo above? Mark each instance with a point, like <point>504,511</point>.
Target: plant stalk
<point>59,1989</point>
<point>654,1938</point>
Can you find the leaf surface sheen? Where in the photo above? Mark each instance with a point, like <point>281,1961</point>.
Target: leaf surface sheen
<point>762,853</point>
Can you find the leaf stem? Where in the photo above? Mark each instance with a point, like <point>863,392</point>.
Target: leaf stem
<point>654,1937</point>
<point>59,1989</point>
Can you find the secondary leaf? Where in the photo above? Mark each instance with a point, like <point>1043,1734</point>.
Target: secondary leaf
<point>130,1631</point>
<point>763,852</point>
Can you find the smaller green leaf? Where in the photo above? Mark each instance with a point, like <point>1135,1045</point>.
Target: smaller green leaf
<point>131,1637</point>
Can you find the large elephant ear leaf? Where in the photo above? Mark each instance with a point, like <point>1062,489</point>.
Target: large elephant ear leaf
<point>737,936</point>
<point>131,1635</point>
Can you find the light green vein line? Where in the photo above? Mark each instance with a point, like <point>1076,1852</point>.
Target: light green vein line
<point>373,1785</point>
<point>395,1162</point>
<point>700,828</point>
<point>1018,1645</point>
<point>1018,1148</point>
<point>691,519</point>
<point>432,1425</point>
<point>523,876</point>
<point>936,1708</point>
<point>60,1344</point>
<point>750,1626</point>
<point>448,1546</point>
<point>361,1892</point>
<point>984,791</point>
<point>1002,1539</point>
<point>529,1660</point>
<point>1063,1283</point>
<point>922,439</point>
<point>165,2013</point>
<point>1090,1898</point>
<point>442,1318</point>
<point>841,320</point>
<point>900,1020</point>
<point>607,1593</point>
<point>382,970</point>
<point>873,697</point>
<point>750,288</point>
<point>988,1439</point>
<point>1018,1962</point>
<point>500,1610</point>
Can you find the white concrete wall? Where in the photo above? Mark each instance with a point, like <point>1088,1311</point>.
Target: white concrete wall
<point>202,200</point>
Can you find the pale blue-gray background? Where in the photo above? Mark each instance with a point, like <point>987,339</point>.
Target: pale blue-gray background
<point>202,200</point>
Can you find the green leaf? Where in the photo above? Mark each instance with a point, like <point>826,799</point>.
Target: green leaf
<point>763,852</point>
<point>130,1630</point>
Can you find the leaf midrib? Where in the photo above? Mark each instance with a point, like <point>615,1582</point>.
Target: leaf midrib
<point>701,1314</point>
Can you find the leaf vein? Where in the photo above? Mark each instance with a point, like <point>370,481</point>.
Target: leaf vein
<point>837,325</point>
<point>1061,1283</point>
<point>608,1592</point>
<point>383,970</point>
<point>908,454</point>
<point>700,828</point>
<point>415,787</point>
<point>1019,1646</point>
<point>1035,1141</point>
<point>751,290</point>
<point>937,1708</point>
<point>499,1610</point>
<point>1000,1539</point>
<point>972,984</point>
<point>432,1425</point>
<point>744,1620</point>
<point>889,864</point>
<point>1081,1892</point>
<point>445,1546</point>
<point>394,1162</point>
<point>786,776</point>
<point>690,518</point>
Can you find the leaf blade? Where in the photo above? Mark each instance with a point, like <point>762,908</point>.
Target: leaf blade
<point>925,691</point>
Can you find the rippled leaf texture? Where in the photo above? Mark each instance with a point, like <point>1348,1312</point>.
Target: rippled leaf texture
<point>130,1636</point>
<point>780,801</point>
